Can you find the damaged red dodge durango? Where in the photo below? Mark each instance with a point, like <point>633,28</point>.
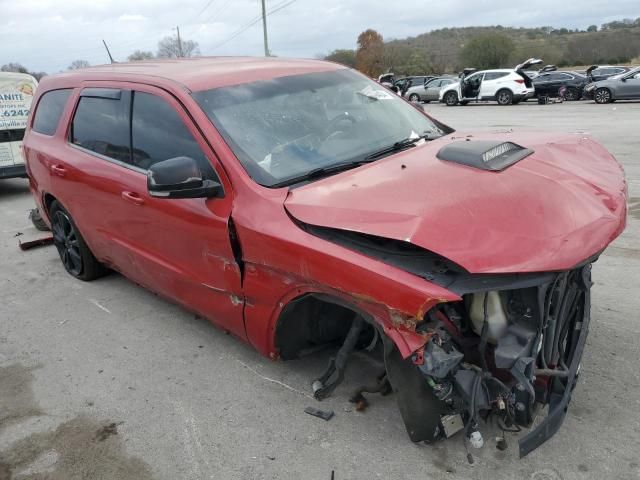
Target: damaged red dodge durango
<point>298,204</point>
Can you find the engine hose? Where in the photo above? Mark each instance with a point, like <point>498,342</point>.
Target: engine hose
<point>545,320</point>
<point>547,372</point>
<point>484,333</point>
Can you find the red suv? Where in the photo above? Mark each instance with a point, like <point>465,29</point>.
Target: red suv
<point>298,204</point>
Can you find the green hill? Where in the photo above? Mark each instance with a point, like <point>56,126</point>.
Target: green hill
<point>441,50</point>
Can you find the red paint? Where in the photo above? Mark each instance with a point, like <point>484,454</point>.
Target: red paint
<point>548,212</point>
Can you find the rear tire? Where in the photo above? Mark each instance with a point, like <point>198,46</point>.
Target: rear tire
<point>414,97</point>
<point>572,95</point>
<point>603,95</point>
<point>74,253</point>
<point>451,99</point>
<point>38,222</point>
<point>504,97</point>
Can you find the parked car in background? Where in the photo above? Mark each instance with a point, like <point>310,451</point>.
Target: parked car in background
<point>625,86</point>
<point>406,83</point>
<point>506,86</point>
<point>16,92</point>
<point>430,90</point>
<point>596,73</point>
<point>550,83</point>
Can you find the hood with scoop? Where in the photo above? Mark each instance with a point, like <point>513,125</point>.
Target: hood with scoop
<point>492,203</point>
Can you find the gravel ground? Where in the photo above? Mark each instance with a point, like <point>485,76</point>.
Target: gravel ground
<point>104,380</point>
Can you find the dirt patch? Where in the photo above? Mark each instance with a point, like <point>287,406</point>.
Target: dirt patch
<point>16,401</point>
<point>83,452</point>
<point>80,448</point>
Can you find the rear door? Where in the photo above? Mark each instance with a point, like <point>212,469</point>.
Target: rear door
<point>179,248</point>
<point>490,84</point>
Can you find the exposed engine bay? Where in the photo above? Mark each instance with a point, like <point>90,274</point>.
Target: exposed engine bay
<point>504,354</point>
<point>497,357</point>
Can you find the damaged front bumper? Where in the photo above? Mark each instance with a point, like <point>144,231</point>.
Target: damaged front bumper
<point>519,353</point>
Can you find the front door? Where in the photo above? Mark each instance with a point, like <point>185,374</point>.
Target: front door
<point>179,248</point>
<point>630,88</point>
<point>471,86</point>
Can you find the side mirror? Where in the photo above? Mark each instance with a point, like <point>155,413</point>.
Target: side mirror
<point>180,177</point>
<point>624,79</point>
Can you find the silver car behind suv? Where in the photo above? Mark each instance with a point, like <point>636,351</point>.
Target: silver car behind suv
<point>625,86</point>
<point>428,91</point>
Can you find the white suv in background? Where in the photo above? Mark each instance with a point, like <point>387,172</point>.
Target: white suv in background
<point>506,86</point>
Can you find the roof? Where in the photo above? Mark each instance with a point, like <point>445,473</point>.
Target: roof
<point>16,75</point>
<point>203,73</point>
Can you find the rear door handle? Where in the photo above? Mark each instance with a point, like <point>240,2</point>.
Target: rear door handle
<point>58,170</point>
<point>133,197</point>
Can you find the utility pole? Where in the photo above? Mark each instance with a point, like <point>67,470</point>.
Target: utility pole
<point>180,54</point>
<point>264,30</point>
<point>108,52</point>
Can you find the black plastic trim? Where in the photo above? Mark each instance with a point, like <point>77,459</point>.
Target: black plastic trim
<point>559,402</point>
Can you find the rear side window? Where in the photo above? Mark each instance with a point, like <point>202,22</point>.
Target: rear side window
<point>101,123</point>
<point>158,133</point>
<point>495,75</point>
<point>49,110</point>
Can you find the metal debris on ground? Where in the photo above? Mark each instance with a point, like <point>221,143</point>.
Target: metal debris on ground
<point>40,242</point>
<point>325,415</point>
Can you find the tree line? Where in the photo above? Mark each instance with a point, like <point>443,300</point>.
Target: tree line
<point>168,47</point>
<point>452,49</point>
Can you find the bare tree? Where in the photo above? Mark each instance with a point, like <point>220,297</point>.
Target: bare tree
<point>19,68</point>
<point>14,67</point>
<point>139,55</point>
<point>169,47</point>
<point>76,64</point>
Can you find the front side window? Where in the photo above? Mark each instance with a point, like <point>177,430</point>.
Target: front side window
<point>101,123</point>
<point>133,127</point>
<point>284,128</point>
<point>49,110</point>
<point>158,133</point>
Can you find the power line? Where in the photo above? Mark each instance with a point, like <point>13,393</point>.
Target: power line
<point>203,9</point>
<point>252,22</point>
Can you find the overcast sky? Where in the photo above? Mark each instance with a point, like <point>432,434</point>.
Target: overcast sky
<point>47,35</point>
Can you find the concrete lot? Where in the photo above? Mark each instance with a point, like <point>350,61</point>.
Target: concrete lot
<point>104,380</point>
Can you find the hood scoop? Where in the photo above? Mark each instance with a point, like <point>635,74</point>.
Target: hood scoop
<point>484,154</point>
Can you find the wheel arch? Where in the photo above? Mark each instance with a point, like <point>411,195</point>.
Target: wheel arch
<point>47,201</point>
<point>502,89</point>
<point>312,319</point>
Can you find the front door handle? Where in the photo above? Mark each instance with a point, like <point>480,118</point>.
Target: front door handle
<point>133,197</point>
<point>58,170</point>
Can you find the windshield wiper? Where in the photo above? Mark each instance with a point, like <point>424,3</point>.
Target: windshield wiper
<point>321,172</point>
<point>397,146</point>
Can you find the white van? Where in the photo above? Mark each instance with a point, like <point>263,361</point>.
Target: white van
<point>16,93</point>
